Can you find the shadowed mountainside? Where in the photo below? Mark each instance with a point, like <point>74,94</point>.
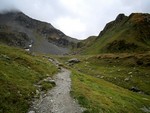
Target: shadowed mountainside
<point>17,29</point>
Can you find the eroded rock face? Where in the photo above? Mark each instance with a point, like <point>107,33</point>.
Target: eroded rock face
<point>18,39</point>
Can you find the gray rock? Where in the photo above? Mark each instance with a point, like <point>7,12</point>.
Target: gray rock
<point>30,45</point>
<point>31,112</point>
<point>47,79</point>
<point>145,109</point>
<point>37,92</point>
<point>50,80</point>
<point>74,60</point>
<point>27,49</point>
<point>135,89</point>
<point>51,60</point>
<point>127,79</point>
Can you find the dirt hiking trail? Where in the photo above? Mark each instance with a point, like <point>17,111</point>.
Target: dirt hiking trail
<point>58,99</point>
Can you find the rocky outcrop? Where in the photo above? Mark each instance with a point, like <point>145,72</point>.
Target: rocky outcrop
<point>18,39</point>
<point>120,17</point>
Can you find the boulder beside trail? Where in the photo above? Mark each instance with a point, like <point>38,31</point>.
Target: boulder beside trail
<point>73,60</point>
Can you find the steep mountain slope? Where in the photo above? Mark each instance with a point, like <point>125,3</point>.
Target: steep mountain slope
<point>18,29</point>
<point>19,74</point>
<point>124,34</point>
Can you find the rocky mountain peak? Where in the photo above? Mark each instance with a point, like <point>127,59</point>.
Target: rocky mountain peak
<point>120,17</point>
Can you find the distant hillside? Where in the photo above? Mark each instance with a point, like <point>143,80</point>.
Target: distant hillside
<point>84,44</point>
<point>124,34</point>
<point>17,29</point>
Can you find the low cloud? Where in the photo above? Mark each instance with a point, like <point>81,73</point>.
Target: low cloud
<point>76,18</point>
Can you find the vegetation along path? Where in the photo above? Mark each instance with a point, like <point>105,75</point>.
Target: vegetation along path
<point>58,100</point>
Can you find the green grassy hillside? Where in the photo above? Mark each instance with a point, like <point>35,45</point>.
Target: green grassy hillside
<point>19,71</point>
<point>124,34</point>
<point>103,83</point>
<point>99,96</point>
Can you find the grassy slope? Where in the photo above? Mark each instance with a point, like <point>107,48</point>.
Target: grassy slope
<point>117,70</point>
<point>133,30</point>
<point>101,95</point>
<point>19,71</point>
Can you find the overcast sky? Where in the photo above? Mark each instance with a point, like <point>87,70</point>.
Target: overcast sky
<point>77,18</point>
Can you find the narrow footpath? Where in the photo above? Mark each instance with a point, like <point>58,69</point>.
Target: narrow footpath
<point>58,99</point>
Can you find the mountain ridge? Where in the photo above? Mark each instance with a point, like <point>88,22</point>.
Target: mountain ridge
<point>41,35</point>
<point>124,34</point>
